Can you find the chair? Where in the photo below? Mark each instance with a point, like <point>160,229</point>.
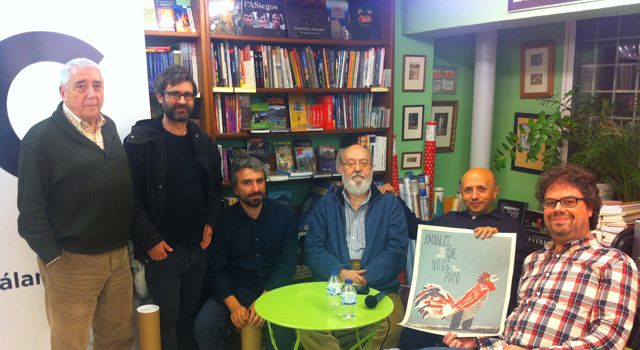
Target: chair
<point>624,242</point>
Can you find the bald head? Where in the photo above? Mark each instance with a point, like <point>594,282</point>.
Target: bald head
<point>479,189</point>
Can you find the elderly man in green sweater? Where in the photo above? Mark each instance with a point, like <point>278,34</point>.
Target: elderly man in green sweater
<point>75,197</point>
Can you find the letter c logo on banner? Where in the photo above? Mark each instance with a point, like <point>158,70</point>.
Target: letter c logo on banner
<point>18,52</point>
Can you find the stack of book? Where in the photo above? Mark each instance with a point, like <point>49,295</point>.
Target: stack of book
<point>617,216</point>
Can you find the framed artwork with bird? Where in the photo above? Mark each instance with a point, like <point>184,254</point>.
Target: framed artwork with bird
<point>460,283</point>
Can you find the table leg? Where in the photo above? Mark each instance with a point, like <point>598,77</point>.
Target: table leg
<point>368,338</point>
<point>273,338</point>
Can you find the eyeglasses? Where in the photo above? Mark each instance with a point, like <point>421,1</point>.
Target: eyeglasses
<point>175,95</point>
<point>567,202</point>
<point>351,165</point>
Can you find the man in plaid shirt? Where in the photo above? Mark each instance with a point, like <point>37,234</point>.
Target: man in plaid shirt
<point>575,293</point>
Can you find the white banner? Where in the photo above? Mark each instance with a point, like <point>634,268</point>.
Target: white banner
<point>34,44</point>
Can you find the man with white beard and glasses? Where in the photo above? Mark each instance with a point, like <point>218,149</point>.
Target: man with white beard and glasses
<point>362,234</point>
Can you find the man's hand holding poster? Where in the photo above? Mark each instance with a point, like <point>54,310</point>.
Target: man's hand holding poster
<point>460,282</point>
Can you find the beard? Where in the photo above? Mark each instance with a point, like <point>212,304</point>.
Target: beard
<point>252,202</point>
<point>358,184</point>
<point>170,111</point>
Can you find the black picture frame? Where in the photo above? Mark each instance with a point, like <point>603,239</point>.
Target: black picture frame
<point>515,209</point>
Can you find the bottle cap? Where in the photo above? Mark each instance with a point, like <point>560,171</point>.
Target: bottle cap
<point>334,272</point>
<point>349,281</point>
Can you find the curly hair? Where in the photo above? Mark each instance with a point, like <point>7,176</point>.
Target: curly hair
<point>173,75</point>
<point>578,177</point>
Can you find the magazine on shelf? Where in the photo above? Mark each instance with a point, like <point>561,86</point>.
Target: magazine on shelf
<point>307,19</point>
<point>222,14</point>
<point>258,147</point>
<point>338,15</point>
<point>262,18</point>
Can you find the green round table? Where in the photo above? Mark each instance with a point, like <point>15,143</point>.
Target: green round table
<point>304,306</point>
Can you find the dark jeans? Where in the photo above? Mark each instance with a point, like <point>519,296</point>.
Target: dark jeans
<point>413,339</point>
<point>175,284</point>
<point>213,324</point>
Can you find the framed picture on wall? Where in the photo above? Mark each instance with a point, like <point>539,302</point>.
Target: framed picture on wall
<point>412,123</point>
<point>520,162</point>
<point>515,209</point>
<point>445,113</point>
<point>413,72</point>
<point>411,160</point>
<point>536,70</point>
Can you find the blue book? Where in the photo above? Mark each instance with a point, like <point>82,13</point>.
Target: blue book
<point>318,190</point>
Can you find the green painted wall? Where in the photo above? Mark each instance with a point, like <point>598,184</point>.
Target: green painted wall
<point>457,51</point>
<point>408,46</point>
<point>513,184</point>
<point>444,18</point>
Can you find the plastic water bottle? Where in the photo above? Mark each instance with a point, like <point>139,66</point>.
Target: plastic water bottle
<point>348,297</point>
<point>333,290</point>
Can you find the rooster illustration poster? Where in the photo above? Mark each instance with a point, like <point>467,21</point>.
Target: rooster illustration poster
<point>460,282</point>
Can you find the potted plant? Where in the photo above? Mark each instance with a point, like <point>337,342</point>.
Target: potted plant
<point>609,148</point>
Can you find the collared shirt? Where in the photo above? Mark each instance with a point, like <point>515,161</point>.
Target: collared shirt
<point>584,297</point>
<point>257,254</point>
<point>85,128</point>
<point>355,226</point>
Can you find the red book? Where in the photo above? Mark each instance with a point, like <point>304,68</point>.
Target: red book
<point>327,115</point>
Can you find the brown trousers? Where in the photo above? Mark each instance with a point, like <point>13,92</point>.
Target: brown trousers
<point>82,291</point>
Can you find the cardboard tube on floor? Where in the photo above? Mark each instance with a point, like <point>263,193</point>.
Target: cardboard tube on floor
<point>251,337</point>
<point>149,327</point>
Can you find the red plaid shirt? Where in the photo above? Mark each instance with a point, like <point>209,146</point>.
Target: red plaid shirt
<point>584,297</point>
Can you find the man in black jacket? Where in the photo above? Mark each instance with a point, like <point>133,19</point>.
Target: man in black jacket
<point>177,184</point>
<point>479,190</point>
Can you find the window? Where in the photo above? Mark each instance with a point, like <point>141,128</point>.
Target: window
<point>607,61</point>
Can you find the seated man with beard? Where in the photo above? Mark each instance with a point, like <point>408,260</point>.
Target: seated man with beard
<point>254,250</point>
<point>362,234</point>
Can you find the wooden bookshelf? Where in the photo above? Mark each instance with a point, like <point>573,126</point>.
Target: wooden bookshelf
<point>206,108</point>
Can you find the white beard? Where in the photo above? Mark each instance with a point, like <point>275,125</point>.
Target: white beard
<point>357,188</point>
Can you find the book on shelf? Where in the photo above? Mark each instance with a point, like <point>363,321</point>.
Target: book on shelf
<point>259,117</point>
<point>244,111</point>
<point>297,67</point>
<point>164,15</point>
<point>229,201</point>
<point>298,111</point>
<point>149,20</point>
<point>258,147</point>
<point>364,20</point>
<point>262,18</point>
<point>305,157</point>
<point>284,197</point>
<point>275,176</point>
<point>338,16</point>
<point>296,174</point>
<point>327,112</point>
<point>307,19</point>
<point>222,16</point>
<point>277,113</point>
<point>184,22</point>
<point>319,189</point>
<point>284,156</point>
<point>327,159</point>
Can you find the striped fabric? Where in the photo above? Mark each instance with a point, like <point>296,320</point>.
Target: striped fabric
<point>355,226</point>
<point>584,297</point>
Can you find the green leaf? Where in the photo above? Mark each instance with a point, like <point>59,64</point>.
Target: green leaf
<point>512,153</point>
<point>530,123</point>
<point>519,147</point>
<point>522,129</point>
<point>505,146</point>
